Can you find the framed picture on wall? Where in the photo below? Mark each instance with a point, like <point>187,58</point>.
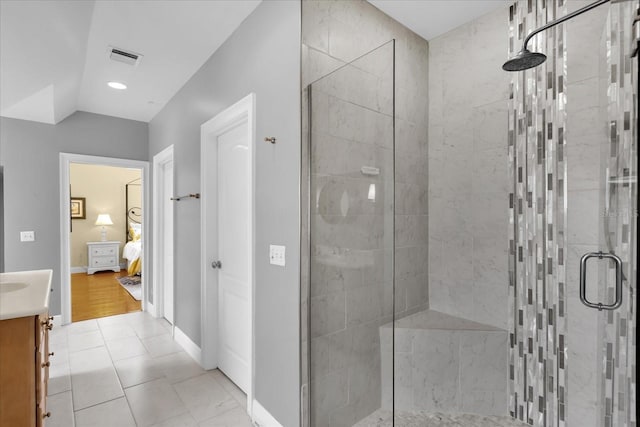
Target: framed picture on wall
<point>78,208</point>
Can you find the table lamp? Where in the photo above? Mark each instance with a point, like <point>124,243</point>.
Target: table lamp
<point>104,219</point>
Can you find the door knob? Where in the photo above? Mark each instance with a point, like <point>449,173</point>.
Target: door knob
<point>216,264</point>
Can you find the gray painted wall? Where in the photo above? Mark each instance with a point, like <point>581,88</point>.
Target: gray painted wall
<point>29,154</point>
<point>262,56</point>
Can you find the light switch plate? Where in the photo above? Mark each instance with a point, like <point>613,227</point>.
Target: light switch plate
<point>27,236</point>
<point>277,255</point>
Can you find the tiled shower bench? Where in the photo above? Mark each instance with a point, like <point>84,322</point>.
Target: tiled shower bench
<point>445,363</point>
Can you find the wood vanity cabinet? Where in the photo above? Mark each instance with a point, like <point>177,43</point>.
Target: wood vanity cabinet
<point>24,370</point>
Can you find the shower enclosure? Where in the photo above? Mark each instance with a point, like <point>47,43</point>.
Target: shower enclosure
<point>351,235</point>
<point>413,313</point>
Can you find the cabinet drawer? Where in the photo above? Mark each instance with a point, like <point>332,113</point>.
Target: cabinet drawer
<point>104,251</point>
<point>103,261</point>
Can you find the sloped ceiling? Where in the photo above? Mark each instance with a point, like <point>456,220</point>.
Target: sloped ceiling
<point>54,61</point>
<point>42,51</point>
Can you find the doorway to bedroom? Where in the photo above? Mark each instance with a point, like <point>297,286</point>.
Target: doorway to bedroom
<point>102,223</point>
<point>105,232</point>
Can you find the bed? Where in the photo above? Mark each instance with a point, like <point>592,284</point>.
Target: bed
<point>132,250</point>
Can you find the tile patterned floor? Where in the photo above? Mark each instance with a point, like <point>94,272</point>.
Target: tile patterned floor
<point>382,418</point>
<point>126,370</point>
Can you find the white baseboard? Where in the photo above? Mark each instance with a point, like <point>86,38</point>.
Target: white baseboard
<point>189,346</point>
<point>73,270</point>
<point>151,309</point>
<point>262,417</point>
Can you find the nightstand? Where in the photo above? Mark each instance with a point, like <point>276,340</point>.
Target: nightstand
<point>103,256</point>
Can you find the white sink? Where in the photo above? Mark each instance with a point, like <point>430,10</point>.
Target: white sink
<point>11,286</point>
<point>24,293</point>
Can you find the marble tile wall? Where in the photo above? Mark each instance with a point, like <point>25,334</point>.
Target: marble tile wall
<point>590,349</point>
<point>461,369</point>
<point>468,183</point>
<point>537,206</point>
<point>351,253</point>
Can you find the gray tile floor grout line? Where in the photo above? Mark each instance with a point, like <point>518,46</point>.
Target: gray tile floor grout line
<point>96,404</point>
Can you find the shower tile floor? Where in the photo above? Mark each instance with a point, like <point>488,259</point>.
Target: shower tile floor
<point>383,418</point>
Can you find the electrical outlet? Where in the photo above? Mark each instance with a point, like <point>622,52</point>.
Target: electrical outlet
<point>277,255</point>
<point>27,236</point>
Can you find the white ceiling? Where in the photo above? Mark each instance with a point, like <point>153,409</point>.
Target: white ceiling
<point>432,18</point>
<point>53,53</point>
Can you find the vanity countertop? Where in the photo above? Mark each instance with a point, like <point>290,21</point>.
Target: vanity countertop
<point>24,293</point>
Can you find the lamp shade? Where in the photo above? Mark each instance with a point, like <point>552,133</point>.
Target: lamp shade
<point>104,219</point>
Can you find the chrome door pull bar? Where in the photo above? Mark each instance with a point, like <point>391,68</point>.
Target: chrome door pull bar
<point>583,281</point>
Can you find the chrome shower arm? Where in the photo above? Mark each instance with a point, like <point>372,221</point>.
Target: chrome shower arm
<point>562,19</point>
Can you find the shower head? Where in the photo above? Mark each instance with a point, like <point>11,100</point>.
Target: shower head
<point>524,60</point>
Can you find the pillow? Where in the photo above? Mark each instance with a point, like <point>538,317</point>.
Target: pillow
<point>135,231</point>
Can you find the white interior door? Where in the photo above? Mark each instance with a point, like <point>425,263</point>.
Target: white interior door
<point>167,247</point>
<point>234,287</point>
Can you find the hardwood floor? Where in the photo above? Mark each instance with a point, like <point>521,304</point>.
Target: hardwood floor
<point>100,295</point>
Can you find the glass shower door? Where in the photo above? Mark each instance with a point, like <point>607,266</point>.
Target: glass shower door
<point>618,232</point>
<point>351,238</point>
<point>602,215</point>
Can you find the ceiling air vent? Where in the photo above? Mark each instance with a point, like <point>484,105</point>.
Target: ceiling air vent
<point>126,57</point>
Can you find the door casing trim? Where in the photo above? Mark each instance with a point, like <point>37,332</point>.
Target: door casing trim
<point>65,213</point>
<point>159,160</point>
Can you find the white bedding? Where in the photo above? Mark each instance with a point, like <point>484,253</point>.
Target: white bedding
<point>132,250</point>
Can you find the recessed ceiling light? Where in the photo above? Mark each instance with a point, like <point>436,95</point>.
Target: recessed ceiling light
<point>117,85</point>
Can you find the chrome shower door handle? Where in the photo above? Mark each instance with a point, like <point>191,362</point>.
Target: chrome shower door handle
<point>583,281</point>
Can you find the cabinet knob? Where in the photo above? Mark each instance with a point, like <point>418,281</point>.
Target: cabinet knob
<point>52,354</point>
<point>47,415</point>
<point>46,364</point>
<point>49,327</point>
<point>51,318</point>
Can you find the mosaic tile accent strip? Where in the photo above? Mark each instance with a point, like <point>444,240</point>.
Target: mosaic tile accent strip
<point>537,213</point>
<point>617,329</point>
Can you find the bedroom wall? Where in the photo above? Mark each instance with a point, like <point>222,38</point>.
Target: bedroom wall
<point>262,56</point>
<point>103,187</point>
<point>30,155</point>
